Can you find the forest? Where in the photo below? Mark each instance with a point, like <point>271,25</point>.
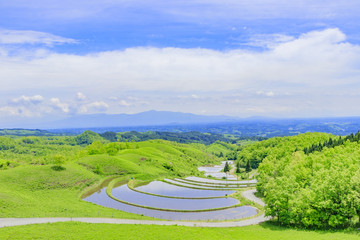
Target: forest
<point>318,187</point>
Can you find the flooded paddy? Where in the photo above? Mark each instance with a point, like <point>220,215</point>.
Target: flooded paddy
<point>166,189</point>
<point>207,184</point>
<point>125,194</point>
<point>207,180</point>
<point>101,198</point>
<point>191,185</point>
<point>194,193</point>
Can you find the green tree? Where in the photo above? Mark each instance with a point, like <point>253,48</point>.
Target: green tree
<point>59,160</point>
<point>238,169</point>
<point>248,167</point>
<point>227,167</point>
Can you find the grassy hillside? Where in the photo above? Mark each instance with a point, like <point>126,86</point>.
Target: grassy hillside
<point>45,176</point>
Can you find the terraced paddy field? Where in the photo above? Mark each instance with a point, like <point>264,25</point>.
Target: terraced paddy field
<point>210,181</point>
<point>183,201</point>
<point>124,193</point>
<point>170,190</point>
<point>181,183</point>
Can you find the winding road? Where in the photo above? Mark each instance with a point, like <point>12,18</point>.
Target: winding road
<point>7,222</point>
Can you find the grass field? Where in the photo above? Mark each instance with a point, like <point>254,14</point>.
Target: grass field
<point>30,189</point>
<point>76,230</point>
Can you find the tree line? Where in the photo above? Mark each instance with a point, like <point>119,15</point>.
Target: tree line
<point>331,143</point>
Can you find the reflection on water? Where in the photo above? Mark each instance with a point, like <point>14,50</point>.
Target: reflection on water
<point>162,188</point>
<point>125,194</point>
<point>103,199</point>
<point>207,184</point>
<point>194,186</point>
<point>206,180</point>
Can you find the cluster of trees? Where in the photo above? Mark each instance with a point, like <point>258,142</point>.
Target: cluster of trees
<point>331,143</point>
<point>315,190</point>
<point>277,147</point>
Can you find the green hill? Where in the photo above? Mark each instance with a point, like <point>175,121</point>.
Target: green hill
<point>45,176</point>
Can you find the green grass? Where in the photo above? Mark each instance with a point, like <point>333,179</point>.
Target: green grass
<point>76,230</point>
<point>37,190</point>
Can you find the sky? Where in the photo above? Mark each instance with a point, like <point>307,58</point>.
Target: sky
<point>272,58</point>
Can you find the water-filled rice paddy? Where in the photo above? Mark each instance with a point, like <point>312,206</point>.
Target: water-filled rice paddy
<point>125,194</point>
<point>103,199</point>
<point>206,180</point>
<point>158,199</point>
<point>190,185</point>
<point>162,188</point>
<point>205,184</point>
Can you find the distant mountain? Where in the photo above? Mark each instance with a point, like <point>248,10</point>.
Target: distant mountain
<point>164,121</point>
<point>260,127</point>
<point>149,118</point>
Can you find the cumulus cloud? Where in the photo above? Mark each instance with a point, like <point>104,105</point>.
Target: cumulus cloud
<point>57,104</point>
<point>97,106</point>
<point>12,111</point>
<point>313,59</point>
<point>124,103</point>
<point>80,96</point>
<point>267,94</point>
<point>305,67</point>
<point>31,37</point>
<point>25,100</point>
<point>269,40</point>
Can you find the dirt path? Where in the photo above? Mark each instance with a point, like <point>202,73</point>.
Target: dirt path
<point>7,222</point>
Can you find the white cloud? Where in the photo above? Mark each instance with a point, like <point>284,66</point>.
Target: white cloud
<point>57,104</point>
<point>195,96</point>
<point>313,59</point>
<point>31,37</point>
<point>36,99</point>
<point>267,94</point>
<point>124,103</point>
<point>269,40</point>
<point>80,96</point>
<point>7,110</point>
<point>311,67</point>
<point>93,107</point>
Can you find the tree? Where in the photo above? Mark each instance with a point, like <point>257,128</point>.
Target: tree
<point>227,167</point>
<point>59,160</point>
<point>238,170</point>
<point>248,167</point>
<point>88,137</point>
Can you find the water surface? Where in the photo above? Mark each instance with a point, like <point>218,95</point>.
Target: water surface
<point>207,184</point>
<point>125,194</point>
<point>206,180</point>
<point>162,188</point>
<point>195,186</point>
<point>101,198</point>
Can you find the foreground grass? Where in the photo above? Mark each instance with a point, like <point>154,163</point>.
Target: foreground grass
<point>76,230</point>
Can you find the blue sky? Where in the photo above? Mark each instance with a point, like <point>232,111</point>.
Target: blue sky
<point>239,58</point>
